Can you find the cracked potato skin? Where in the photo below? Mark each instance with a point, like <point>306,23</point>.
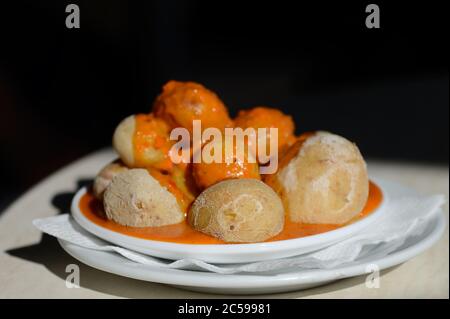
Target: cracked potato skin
<point>134,198</point>
<point>238,210</point>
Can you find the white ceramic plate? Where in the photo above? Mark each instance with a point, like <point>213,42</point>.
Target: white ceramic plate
<point>253,284</point>
<point>233,253</point>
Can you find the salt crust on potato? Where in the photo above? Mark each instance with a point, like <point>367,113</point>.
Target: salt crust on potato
<point>238,210</point>
<point>134,198</point>
<point>325,183</point>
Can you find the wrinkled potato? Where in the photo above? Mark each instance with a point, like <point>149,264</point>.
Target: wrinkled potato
<point>181,103</point>
<point>266,117</point>
<point>238,210</point>
<point>123,140</point>
<point>323,180</point>
<point>183,179</point>
<point>231,165</point>
<point>178,185</point>
<point>143,141</point>
<point>105,176</point>
<point>134,198</point>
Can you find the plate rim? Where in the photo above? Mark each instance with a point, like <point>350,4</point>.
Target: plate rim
<point>235,249</point>
<point>203,279</point>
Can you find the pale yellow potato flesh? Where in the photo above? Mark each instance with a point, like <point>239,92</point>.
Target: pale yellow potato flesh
<point>123,140</point>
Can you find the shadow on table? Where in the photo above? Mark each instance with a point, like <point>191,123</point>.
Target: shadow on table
<point>49,253</point>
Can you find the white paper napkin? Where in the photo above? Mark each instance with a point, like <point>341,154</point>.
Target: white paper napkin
<point>404,217</point>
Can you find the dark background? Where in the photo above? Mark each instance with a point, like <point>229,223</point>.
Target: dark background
<point>62,91</point>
